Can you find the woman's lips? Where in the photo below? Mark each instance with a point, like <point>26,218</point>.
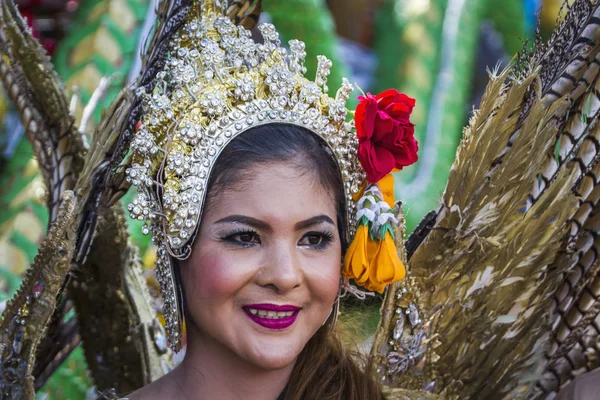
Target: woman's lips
<point>272,316</point>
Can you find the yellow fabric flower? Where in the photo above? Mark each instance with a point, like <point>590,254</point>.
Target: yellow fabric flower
<point>386,185</point>
<point>385,267</point>
<point>372,261</point>
<point>372,264</point>
<point>356,261</point>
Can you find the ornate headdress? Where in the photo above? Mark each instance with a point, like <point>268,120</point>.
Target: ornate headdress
<point>217,83</point>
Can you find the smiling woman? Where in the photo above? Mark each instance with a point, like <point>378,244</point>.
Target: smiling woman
<point>250,179</point>
<point>263,276</point>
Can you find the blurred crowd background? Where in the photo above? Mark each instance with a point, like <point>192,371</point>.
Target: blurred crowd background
<point>437,51</point>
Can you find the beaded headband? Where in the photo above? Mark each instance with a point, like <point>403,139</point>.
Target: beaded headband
<point>216,84</point>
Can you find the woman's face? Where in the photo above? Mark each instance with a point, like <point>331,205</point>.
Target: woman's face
<point>265,268</point>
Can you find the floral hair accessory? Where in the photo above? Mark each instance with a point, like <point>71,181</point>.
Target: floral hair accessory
<point>372,258</point>
<point>385,134</point>
<point>386,144</point>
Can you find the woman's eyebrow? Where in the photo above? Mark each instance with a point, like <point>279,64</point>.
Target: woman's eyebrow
<point>319,219</point>
<point>263,226</point>
<point>242,219</point>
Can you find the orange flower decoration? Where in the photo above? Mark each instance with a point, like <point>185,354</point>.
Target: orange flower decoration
<point>386,267</point>
<point>356,261</point>
<point>372,258</point>
<point>386,185</point>
<point>373,264</point>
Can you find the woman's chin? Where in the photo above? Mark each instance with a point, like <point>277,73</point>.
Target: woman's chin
<point>270,362</point>
<point>272,354</point>
<point>270,349</point>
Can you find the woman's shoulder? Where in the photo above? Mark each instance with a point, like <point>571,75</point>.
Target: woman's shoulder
<point>160,389</point>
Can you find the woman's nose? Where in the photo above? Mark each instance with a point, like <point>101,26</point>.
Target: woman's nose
<point>282,270</point>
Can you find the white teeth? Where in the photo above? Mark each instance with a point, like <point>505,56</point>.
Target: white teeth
<point>270,314</point>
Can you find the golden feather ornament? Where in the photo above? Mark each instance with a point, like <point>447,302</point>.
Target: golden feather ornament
<point>513,237</point>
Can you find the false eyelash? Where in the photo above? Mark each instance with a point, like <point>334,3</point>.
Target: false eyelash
<point>327,238</point>
<point>238,231</point>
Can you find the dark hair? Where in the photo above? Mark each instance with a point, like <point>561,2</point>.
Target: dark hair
<point>275,143</point>
<point>324,370</point>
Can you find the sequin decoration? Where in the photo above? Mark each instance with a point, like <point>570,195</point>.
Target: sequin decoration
<point>409,336</point>
<point>38,288</point>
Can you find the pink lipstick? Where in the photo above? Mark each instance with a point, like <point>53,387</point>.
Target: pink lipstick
<point>272,316</point>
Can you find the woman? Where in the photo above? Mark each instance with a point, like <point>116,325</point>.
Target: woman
<point>252,179</point>
<point>248,177</point>
<point>263,278</point>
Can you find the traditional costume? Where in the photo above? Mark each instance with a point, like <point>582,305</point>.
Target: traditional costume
<point>501,295</point>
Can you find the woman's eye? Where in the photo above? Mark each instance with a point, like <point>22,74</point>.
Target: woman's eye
<point>247,237</point>
<point>243,238</point>
<point>316,239</point>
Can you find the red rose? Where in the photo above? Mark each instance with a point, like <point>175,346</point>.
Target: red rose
<point>385,134</point>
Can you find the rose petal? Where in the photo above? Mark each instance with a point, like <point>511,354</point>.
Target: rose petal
<point>384,125</point>
<point>408,137</point>
<point>366,112</point>
<point>391,96</point>
<point>385,133</point>
<point>387,97</point>
<point>397,136</point>
<point>400,112</point>
<point>382,162</point>
<point>405,155</point>
<point>364,151</point>
<point>403,146</point>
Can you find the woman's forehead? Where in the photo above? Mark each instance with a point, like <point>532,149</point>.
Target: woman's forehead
<point>278,191</point>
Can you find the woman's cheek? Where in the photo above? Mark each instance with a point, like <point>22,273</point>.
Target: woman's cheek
<point>220,273</point>
<point>324,277</point>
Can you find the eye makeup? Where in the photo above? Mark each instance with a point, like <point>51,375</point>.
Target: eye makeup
<point>323,239</point>
<point>243,237</point>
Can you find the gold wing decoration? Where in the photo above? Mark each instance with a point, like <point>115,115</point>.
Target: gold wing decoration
<point>24,321</point>
<point>28,313</point>
<point>502,295</point>
<point>126,361</point>
<point>37,92</point>
<point>121,337</point>
<point>245,12</point>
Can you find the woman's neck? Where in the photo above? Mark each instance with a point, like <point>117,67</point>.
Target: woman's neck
<point>212,371</point>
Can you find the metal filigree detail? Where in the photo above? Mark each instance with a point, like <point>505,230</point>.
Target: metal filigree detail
<point>409,336</point>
